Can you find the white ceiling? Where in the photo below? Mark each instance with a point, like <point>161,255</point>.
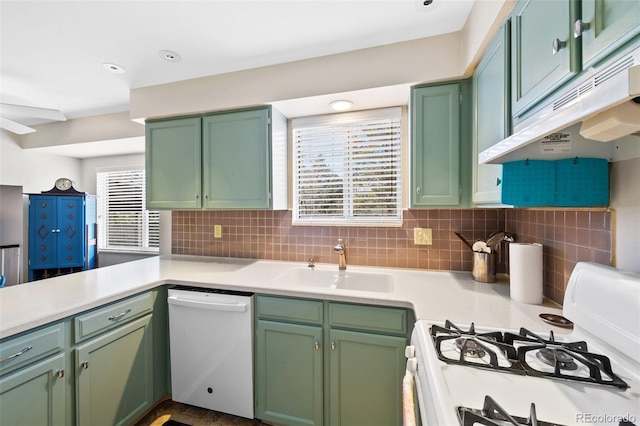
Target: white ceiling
<point>51,52</point>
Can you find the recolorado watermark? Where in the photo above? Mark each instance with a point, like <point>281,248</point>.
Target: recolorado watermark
<point>605,418</point>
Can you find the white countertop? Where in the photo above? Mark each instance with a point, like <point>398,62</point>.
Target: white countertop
<point>433,295</point>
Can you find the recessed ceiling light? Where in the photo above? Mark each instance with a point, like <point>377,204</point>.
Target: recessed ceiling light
<point>341,105</point>
<point>169,56</point>
<point>113,68</point>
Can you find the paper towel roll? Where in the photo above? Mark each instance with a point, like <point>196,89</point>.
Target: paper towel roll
<point>525,272</point>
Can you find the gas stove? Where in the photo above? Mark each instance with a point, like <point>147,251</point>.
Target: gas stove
<point>469,374</point>
<point>524,353</point>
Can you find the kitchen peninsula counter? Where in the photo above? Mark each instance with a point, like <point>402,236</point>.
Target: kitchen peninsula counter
<point>432,295</point>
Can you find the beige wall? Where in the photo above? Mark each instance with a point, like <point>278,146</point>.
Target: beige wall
<point>90,129</point>
<point>423,60</point>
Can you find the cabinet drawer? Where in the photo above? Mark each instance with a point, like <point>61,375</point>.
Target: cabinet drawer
<point>370,318</point>
<point>20,351</point>
<point>285,309</point>
<point>105,318</point>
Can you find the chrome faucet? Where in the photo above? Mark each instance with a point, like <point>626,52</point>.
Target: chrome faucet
<point>342,260</point>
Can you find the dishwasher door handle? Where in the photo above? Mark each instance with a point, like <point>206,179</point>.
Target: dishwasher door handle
<point>213,306</point>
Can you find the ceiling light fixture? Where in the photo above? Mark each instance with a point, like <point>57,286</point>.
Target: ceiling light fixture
<point>114,68</point>
<point>169,56</point>
<point>341,105</point>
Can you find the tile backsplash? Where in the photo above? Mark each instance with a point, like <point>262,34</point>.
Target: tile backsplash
<point>568,236</point>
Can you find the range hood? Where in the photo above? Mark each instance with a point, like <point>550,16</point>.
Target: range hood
<point>606,99</point>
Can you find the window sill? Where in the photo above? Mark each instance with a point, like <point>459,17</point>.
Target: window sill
<point>130,251</point>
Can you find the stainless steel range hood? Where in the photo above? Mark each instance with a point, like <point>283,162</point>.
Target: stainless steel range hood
<point>603,99</point>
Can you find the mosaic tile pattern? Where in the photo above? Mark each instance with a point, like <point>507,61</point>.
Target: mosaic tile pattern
<point>568,236</point>
<point>270,235</point>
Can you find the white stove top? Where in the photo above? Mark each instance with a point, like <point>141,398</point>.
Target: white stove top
<point>442,387</point>
<point>557,400</point>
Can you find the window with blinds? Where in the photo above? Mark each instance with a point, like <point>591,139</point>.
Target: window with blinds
<point>347,168</point>
<point>123,221</point>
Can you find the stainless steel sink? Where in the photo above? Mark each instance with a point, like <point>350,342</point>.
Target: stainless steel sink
<point>342,280</point>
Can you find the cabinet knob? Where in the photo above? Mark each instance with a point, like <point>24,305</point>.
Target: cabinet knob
<point>333,346</point>
<point>579,27</point>
<point>43,258</point>
<point>84,364</point>
<point>69,257</point>
<point>418,190</point>
<point>557,45</point>
<point>70,217</point>
<point>60,374</point>
<point>498,181</point>
<point>70,246</point>
<point>43,216</point>
<point>316,345</point>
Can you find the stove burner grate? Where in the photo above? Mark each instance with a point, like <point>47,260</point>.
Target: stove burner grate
<point>553,356</point>
<point>492,414</point>
<point>470,347</point>
<point>564,357</point>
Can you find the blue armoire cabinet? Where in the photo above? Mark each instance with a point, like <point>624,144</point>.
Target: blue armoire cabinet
<point>62,234</point>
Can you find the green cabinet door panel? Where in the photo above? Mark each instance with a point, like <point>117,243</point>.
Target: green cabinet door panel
<point>289,373</point>
<point>173,166</point>
<point>605,26</point>
<point>236,162</point>
<point>365,379</point>
<point>536,26</point>
<point>114,375</point>
<point>35,395</point>
<point>491,114</point>
<point>435,145</point>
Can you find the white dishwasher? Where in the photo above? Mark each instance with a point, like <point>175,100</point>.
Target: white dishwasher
<point>211,342</point>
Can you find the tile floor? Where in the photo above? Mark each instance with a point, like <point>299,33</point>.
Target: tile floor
<point>192,416</point>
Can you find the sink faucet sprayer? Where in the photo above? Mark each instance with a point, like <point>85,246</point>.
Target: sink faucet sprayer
<point>340,249</point>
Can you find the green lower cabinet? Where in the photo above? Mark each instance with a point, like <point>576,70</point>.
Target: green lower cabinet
<point>289,373</point>
<point>328,363</point>
<point>365,379</point>
<point>35,395</point>
<point>114,375</point>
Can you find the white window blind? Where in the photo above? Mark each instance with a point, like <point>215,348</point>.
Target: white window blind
<point>124,223</point>
<point>347,168</point>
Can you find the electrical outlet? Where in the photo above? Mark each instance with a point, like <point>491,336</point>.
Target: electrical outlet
<point>422,236</point>
<point>217,231</point>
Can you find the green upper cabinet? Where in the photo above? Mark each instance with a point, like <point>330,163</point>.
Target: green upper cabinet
<point>227,160</point>
<point>491,114</point>
<point>173,163</point>
<point>236,160</point>
<point>544,54</point>
<point>435,145</point>
<point>606,25</point>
